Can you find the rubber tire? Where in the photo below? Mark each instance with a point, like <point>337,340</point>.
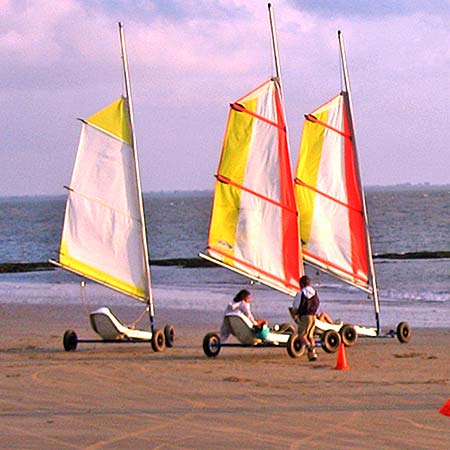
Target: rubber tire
<point>70,341</point>
<point>349,336</point>
<point>211,345</point>
<point>404,332</point>
<point>158,341</point>
<point>330,341</point>
<point>295,347</point>
<point>169,334</point>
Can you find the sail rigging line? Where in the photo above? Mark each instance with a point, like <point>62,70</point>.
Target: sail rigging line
<point>226,180</point>
<point>314,119</point>
<point>348,102</point>
<point>252,267</point>
<point>129,103</point>
<point>138,319</point>
<point>329,197</point>
<point>83,297</point>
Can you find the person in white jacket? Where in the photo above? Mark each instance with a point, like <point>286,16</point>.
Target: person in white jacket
<point>241,303</point>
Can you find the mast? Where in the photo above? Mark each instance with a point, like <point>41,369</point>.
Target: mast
<point>275,45</point>
<point>126,75</point>
<point>366,221</point>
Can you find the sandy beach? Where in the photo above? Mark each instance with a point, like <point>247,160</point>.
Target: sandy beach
<point>126,396</point>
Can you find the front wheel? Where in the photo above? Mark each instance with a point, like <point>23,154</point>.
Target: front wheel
<point>330,341</point>
<point>70,341</point>
<point>211,345</point>
<point>349,336</point>
<point>169,334</point>
<point>404,332</point>
<point>295,346</point>
<point>158,341</point>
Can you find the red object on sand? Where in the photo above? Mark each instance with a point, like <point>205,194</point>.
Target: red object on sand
<point>445,408</point>
<point>342,363</point>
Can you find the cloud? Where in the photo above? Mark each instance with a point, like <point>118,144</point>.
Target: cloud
<point>189,59</point>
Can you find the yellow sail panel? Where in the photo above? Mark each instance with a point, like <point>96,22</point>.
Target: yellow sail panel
<point>233,164</point>
<point>114,120</point>
<point>103,232</point>
<point>308,170</point>
<point>253,225</point>
<point>92,273</point>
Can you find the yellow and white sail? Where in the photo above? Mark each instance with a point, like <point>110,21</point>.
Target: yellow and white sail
<point>104,234</point>
<point>253,228</point>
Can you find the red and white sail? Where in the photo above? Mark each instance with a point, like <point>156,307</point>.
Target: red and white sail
<point>329,195</point>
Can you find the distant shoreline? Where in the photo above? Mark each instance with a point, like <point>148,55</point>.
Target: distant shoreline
<point>193,263</point>
<point>209,192</point>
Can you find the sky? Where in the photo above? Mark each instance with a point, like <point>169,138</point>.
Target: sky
<point>190,58</point>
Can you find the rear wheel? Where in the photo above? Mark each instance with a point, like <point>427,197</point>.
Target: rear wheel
<point>70,341</point>
<point>169,334</point>
<point>404,332</point>
<point>158,341</point>
<point>349,336</point>
<point>295,346</point>
<point>330,341</point>
<point>211,345</point>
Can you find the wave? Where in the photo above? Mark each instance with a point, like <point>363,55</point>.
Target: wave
<point>414,255</point>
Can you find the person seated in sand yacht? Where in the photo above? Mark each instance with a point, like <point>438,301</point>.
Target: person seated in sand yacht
<point>240,303</point>
<point>324,317</point>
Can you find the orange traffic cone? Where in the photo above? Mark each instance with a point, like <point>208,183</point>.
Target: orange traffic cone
<point>445,408</point>
<point>341,363</point>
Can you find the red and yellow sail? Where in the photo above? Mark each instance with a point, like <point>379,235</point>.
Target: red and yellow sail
<point>254,226</point>
<point>329,195</point>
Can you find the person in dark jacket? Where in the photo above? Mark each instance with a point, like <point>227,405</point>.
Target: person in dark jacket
<point>305,306</point>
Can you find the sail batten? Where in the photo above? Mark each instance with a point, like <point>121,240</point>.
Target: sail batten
<point>317,191</point>
<point>240,108</point>
<point>90,198</point>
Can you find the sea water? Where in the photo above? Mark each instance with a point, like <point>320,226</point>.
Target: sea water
<point>408,221</point>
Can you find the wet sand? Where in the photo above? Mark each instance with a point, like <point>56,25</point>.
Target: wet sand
<point>106,396</point>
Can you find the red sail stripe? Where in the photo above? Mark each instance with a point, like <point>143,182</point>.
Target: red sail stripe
<point>324,194</point>
<point>290,235</point>
<point>314,119</point>
<point>238,107</point>
<point>359,256</point>
<point>285,207</point>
